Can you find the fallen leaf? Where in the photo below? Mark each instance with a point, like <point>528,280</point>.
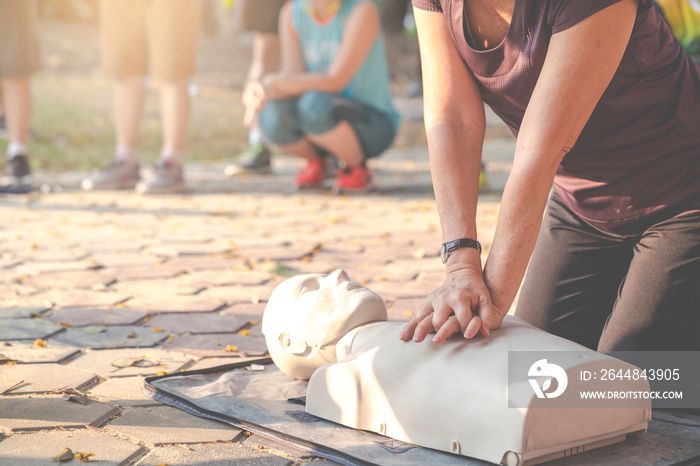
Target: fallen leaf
<point>159,373</point>
<point>230,349</point>
<point>39,343</point>
<point>132,335</point>
<point>84,457</point>
<point>277,268</point>
<point>62,456</point>
<point>245,332</point>
<point>121,304</point>
<point>158,329</point>
<point>253,322</point>
<point>94,329</point>
<point>125,362</point>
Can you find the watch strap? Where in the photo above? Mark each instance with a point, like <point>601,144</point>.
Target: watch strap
<point>450,246</point>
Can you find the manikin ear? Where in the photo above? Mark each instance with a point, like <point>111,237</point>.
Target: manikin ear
<point>293,345</point>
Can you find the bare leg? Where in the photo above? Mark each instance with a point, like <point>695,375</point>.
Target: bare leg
<point>17,106</point>
<point>266,59</point>
<point>175,114</point>
<point>128,108</point>
<point>303,148</point>
<point>341,141</point>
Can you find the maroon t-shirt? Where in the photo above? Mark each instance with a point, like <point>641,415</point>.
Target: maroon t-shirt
<point>637,160</point>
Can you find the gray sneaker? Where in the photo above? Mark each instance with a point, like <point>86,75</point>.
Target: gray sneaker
<point>117,175</point>
<point>17,177</point>
<point>166,179</point>
<point>253,160</point>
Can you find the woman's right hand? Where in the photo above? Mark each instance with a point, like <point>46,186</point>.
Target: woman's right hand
<point>253,99</point>
<point>462,304</point>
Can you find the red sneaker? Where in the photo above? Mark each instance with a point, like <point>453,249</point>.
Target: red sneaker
<point>353,179</point>
<point>313,174</point>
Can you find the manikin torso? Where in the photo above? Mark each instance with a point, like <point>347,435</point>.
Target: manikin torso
<point>454,396</point>
<point>451,396</point>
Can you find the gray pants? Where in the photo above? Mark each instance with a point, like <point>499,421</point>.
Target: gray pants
<point>614,293</point>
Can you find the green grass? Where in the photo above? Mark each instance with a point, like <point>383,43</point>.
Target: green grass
<point>72,124</point>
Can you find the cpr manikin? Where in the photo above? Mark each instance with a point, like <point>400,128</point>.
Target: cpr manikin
<point>451,396</point>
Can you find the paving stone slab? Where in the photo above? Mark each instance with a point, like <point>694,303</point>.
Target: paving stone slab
<point>204,263</point>
<point>375,274</point>
<point>81,317</point>
<point>192,249</point>
<point>247,311</point>
<point>214,345</point>
<point>10,276</point>
<point>23,353</point>
<point>402,309</point>
<point>212,455</point>
<point>88,279</point>
<point>22,414</point>
<point>9,263</point>
<point>239,294</point>
<point>27,329</point>
<point>209,362</point>
<point>152,361</point>
<point>210,278</point>
<point>401,290</point>
<point>125,259</point>
<point>42,378</point>
<point>176,303</point>
<point>82,298</point>
<point>163,425</point>
<point>44,255</point>
<point>145,272</point>
<point>198,323</point>
<point>261,443</point>
<point>273,254</point>
<point>37,449</point>
<point>34,268</point>
<point>119,336</point>
<point>16,312</point>
<point>163,287</point>
<point>123,392</point>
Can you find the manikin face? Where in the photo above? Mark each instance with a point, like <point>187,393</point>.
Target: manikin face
<point>309,312</point>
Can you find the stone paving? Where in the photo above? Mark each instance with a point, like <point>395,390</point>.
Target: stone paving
<point>99,290</point>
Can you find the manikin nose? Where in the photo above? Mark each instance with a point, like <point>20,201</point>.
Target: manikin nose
<point>338,276</point>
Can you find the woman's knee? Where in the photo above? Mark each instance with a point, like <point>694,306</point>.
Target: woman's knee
<point>316,112</point>
<point>279,122</point>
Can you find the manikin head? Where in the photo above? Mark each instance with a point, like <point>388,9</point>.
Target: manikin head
<point>307,315</point>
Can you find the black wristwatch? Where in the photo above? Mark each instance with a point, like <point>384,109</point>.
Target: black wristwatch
<point>450,246</point>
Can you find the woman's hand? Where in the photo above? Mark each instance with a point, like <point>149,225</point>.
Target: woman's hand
<point>254,97</point>
<point>462,304</point>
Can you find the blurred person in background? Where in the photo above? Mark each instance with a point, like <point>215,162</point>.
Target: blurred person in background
<point>683,18</point>
<point>261,18</point>
<point>19,59</point>
<point>332,95</point>
<point>156,37</point>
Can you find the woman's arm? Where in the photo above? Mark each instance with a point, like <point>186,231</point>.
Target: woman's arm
<point>361,31</point>
<point>580,64</point>
<point>455,125</point>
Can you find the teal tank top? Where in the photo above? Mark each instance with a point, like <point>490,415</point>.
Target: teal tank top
<point>320,43</point>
